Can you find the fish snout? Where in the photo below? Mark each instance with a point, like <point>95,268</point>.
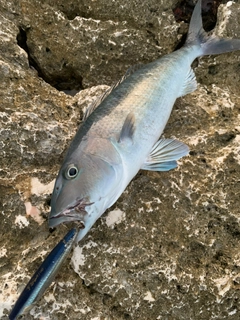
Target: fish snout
<point>75,212</point>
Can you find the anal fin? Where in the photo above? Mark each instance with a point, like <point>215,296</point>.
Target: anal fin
<point>164,155</point>
<point>190,83</point>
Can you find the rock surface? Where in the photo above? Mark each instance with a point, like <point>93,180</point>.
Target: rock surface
<point>170,247</point>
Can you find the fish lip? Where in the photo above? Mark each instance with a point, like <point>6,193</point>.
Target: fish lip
<point>69,217</point>
<point>73,212</point>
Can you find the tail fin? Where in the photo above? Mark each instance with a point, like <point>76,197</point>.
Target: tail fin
<point>207,44</point>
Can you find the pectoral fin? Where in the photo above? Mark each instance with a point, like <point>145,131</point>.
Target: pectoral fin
<point>164,155</point>
<point>128,128</point>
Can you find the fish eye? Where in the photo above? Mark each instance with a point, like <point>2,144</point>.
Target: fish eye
<point>71,172</point>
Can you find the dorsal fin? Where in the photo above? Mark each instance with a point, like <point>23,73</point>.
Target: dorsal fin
<point>100,99</point>
<point>96,103</point>
<point>131,70</point>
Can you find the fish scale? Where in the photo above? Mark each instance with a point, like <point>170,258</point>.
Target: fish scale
<point>147,88</point>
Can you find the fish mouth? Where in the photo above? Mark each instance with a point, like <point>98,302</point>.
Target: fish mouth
<point>74,212</point>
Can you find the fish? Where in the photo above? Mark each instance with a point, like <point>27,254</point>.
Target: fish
<point>122,133</point>
<point>44,275</point>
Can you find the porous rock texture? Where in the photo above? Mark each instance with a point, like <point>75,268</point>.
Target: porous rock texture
<point>170,247</point>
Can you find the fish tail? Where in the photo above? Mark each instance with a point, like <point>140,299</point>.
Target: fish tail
<point>208,44</point>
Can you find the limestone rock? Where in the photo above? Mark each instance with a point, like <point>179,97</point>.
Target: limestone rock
<point>75,51</point>
<point>169,247</point>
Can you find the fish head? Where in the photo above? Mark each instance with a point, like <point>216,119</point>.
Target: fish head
<point>86,186</point>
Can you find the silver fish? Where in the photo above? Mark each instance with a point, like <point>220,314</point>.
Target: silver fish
<point>44,275</point>
<point>120,135</point>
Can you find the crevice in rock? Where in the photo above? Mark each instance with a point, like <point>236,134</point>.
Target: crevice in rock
<point>68,80</point>
<point>22,42</point>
